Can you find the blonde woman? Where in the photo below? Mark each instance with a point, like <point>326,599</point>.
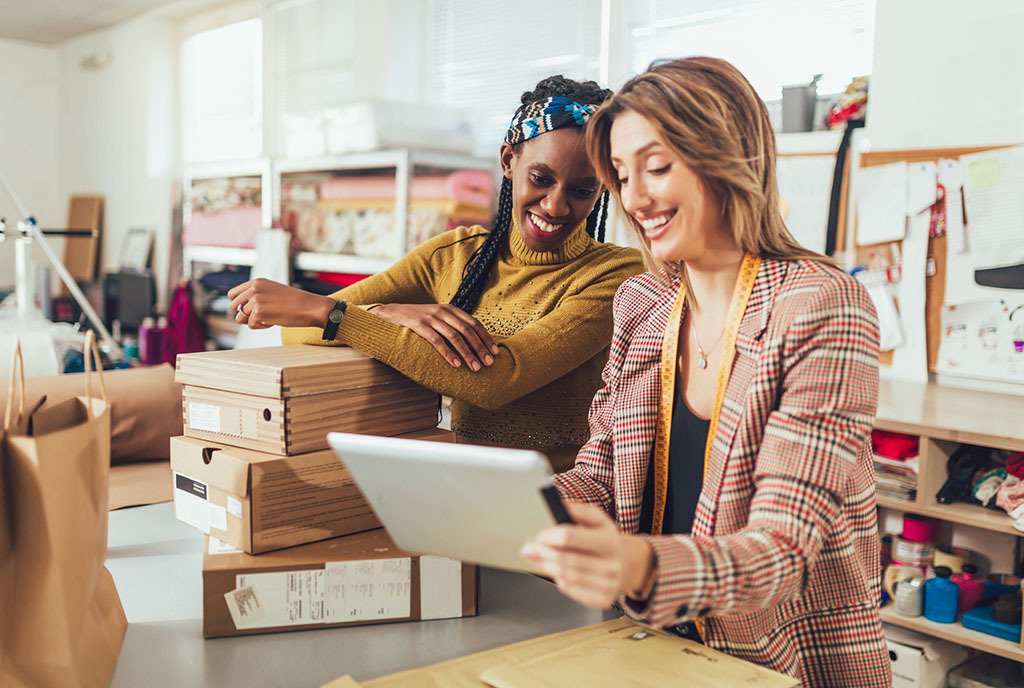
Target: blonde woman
<point>731,438</point>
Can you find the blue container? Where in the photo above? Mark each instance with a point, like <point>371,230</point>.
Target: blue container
<point>941,596</point>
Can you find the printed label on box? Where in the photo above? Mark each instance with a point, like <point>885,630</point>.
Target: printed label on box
<point>440,588</point>
<point>218,517</point>
<point>368,590</point>
<point>234,507</point>
<point>191,502</point>
<point>289,598</point>
<point>221,547</point>
<point>245,608</point>
<point>203,417</point>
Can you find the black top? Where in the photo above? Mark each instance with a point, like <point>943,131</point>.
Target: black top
<point>685,472</point>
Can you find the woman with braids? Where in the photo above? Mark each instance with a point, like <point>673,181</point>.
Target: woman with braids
<point>514,323</point>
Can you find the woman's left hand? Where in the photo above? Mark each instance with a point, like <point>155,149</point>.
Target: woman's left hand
<point>590,560</point>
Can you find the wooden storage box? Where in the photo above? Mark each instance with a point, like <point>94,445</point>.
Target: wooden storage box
<point>284,400</point>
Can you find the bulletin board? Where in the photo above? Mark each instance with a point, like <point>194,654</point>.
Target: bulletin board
<point>935,281</point>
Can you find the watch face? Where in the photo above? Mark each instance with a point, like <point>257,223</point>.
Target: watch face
<point>335,316</point>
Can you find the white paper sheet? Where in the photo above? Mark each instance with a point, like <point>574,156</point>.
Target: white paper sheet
<point>805,184</point>
<point>288,598</point>
<point>272,262</point>
<point>910,361</point>
<point>440,588</point>
<point>951,176</point>
<point>983,339</point>
<point>994,191</point>
<point>889,325</point>
<point>368,590</point>
<point>921,185</point>
<point>220,547</point>
<point>882,203</point>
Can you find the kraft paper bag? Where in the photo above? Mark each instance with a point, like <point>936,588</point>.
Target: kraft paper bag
<point>61,620</point>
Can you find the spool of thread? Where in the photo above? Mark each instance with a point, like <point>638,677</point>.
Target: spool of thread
<point>896,573</point>
<point>954,557</point>
<point>913,553</point>
<point>910,597</point>
<point>917,529</point>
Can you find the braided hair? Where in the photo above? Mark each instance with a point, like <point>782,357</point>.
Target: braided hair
<point>478,267</point>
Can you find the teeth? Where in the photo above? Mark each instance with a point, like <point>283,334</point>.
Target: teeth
<point>653,222</point>
<point>545,226</point>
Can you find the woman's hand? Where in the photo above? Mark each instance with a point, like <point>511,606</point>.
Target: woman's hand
<point>262,303</point>
<point>590,561</point>
<point>456,334</point>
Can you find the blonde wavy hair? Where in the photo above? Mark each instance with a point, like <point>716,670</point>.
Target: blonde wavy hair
<point>709,115</point>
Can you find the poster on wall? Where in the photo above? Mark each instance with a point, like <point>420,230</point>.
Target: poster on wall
<point>983,339</point>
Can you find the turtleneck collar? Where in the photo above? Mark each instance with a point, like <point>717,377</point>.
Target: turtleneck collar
<point>572,248</point>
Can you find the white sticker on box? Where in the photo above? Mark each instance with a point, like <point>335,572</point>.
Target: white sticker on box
<point>368,590</point>
<point>440,588</point>
<point>218,517</point>
<point>234,507</point>
<point>289,598</point>
<point>203,417</point>
<point>245,608</point>
<point>190,502</point>
<point>221,547</point>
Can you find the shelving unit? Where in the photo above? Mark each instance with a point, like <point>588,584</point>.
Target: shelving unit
<point>404,163</point>
<point>944,418</point>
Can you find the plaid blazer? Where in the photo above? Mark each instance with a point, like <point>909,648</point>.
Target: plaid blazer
<point>783,561</point>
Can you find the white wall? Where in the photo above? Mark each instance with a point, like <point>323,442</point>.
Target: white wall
<point>946,73</point>
<point>118,130</point>
<point>28,140</point>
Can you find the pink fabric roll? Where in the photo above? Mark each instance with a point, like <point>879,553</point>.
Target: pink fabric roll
<point>917,530</point>
<point>236,228</point>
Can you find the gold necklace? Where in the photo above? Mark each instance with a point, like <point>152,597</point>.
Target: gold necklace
<point>702,355</point>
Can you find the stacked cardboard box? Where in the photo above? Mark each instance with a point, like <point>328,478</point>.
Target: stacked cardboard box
<point>349,581</point>
<point>254,474</point>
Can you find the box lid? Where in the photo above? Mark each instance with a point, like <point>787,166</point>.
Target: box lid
<point>284,371</point>
<point>371,544</point>
<point>214,464</point>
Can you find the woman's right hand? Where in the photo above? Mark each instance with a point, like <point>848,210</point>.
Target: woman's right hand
<point>456,334</point>
<point>262,303</point>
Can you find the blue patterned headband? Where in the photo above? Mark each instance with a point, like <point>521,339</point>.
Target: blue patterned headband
<point>534,119</point>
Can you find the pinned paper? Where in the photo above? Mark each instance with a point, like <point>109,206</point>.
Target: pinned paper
<point>951,176</point>
<point>921,186</point>
<point>889,326</point>
<point>984,173</point>
<point>882,204</point>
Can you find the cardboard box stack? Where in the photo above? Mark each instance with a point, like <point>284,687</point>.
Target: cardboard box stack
<point>253,472</point>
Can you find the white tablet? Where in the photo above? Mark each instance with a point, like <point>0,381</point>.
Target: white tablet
<point>477,504</point>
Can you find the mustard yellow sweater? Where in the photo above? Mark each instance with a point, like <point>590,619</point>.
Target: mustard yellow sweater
<point>550,314</point>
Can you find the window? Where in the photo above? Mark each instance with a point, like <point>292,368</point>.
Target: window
<point>773,42</point>
<point>222,93</point>
<point>484,55</point>
<point>314,55</point>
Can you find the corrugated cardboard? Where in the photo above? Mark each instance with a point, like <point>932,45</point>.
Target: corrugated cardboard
<point>260,502</point>
<point>613,653</point>
<point>284,400</point>
<point>348,581</point>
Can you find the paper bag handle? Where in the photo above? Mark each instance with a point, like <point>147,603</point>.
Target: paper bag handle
<point>17,375</point>
<point>91,356</point>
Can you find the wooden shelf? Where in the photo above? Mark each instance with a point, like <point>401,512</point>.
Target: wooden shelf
<point>965,514</point>
<point>955,633</point>
<point>331,262</point>
<point>950,413</point>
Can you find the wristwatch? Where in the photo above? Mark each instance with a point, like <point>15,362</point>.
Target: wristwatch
<point>334,320</point>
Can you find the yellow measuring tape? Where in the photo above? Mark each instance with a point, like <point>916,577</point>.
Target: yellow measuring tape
<point>669,366</point>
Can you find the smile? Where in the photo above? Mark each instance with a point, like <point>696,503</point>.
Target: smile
<point>542,225</point>
<point>654,226</point>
